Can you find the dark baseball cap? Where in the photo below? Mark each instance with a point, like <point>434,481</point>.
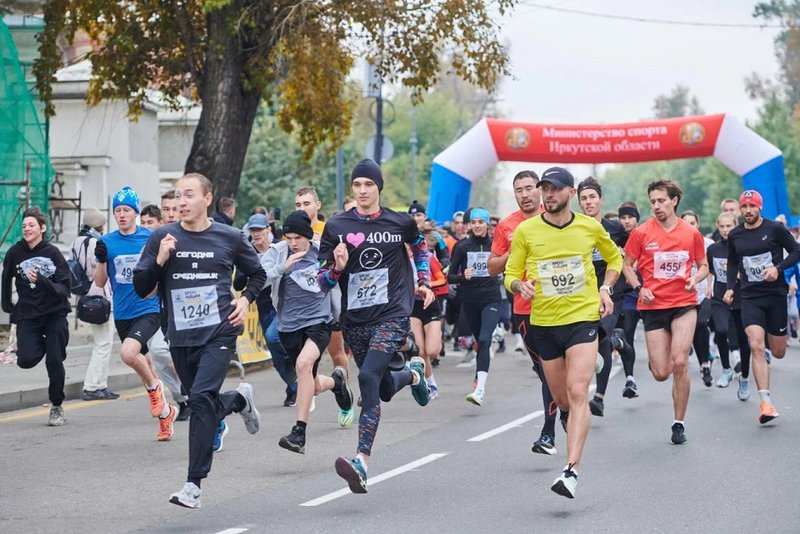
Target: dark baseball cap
<point>558,176</point>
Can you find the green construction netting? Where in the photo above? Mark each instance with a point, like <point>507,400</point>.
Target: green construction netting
<point>23,147</point>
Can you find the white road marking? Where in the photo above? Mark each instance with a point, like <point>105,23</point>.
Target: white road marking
<point>232,531</point>
<point>531,416</point>
<point>378,478</point>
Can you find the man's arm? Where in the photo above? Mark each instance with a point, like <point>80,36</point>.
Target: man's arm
<point>247,263</point>
<point>147,273</point>
<point>60,282</point>
<point>733,265</point>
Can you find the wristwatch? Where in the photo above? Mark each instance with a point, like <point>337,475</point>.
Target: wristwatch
<point>607,289</point>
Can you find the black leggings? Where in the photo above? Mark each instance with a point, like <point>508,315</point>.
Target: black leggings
<point>724,328</point>
<point>45,337</point>
<point>550,408</point>
<point>744,344</point>
<point>630,318</point>
<point>604,348</point>
<point>482,319</point>
<point>701,334</point>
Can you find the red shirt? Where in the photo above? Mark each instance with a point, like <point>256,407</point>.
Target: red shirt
<point>501,244</point>
<point>665,261</point>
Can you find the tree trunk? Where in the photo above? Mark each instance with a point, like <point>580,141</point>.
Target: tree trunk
<point>229,110</point>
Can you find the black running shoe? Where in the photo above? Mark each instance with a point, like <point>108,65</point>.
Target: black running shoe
<point>290,400</point>
<point>184,412</point>
<point>596,406</point>
<point>344,397</point>
<point>707,379</point>
<point>413,349</point>
<point>295,441</point>
<point>630,391</point>
<point>564,418</point>
<point>738,368</point>
<point>435,363</point>
<point>678,434</point>
<point>544,445</point>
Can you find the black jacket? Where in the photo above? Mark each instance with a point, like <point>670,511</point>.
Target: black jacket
<point>50,292</point>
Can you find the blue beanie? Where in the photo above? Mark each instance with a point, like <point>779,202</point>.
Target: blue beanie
<point>126,197</point>
<point>366,168</point>
<point>479,213</point>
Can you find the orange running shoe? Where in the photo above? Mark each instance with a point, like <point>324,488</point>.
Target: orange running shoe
<point>165,425</point>
<point>768,413</point>
<point>157,400</point>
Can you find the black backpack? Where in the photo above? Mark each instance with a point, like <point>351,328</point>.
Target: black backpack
<point>79,283</point>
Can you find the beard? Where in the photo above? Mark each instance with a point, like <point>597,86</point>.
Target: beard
<point>558,208</point>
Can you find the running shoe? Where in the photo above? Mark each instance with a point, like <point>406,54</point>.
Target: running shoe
<point>707,378</point>
<point>100,394</point>
<point>566,484</point>
<point>184,412</point>
<point>630,391</point>
<point>188,496</point>
<point>596,406</point>
<point>435,362</point>
<point>219,436</point>
<point>250,415</point>
<point>469,356</point>
<point>564,417</point>
<point>678,434</point>
<point>725,378</point>
<point>157,400</point>
<point>498,334</point>
<point>737,369</point>
<point>291,399</point>
<point>295,441</point>
<point>520,347</point>
<point>744,389</point>
<point>421,392</point>
<point>56,416</point>
<point>165,429</point>
<point>413,349</point>
<point>768,356</point>
<point>346,418</point>
<point>598,363</point>
<point>476,397</point>
<point>544,445</point>
<point>768,412</point>
<point>353,472</point>
<point>434,391</point>
<point>344,397</point>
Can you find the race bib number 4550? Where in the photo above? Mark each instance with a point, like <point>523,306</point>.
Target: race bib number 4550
<point>195,307</point>
<point>562,277</point>
<point>669,265</point>
<point>367,289</point>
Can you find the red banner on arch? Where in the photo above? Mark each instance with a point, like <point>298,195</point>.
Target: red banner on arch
<point>681,137</point>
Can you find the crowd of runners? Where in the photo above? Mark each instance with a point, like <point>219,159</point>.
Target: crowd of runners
<point>382,292</point>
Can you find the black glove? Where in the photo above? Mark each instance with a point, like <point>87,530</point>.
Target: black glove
<point>101,252</point>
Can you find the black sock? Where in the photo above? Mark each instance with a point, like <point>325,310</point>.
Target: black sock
<point>195,481</point>
<point>302,425</point>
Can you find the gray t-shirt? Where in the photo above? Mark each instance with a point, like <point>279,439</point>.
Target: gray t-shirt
<point>195,284</point>
<point>302,302</point>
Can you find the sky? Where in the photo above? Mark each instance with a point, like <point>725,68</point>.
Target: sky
<point>571,68</point>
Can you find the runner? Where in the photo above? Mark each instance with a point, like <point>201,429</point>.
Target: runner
<point>755,253</point>
<point>136,318</point>
<point>169,207</point>
<point>481,293</point>
<point>304,318</point>
<point>629,217</point>
<point>590,198</point>
<point>721,316</point>
<point>554,250</point>
<point>528,199</point>
<point>364,251</point>
<point>427,324</point>
<point>306,199</point>
<point>41,278</point>
<point>191,263</point>
<point>665,247</point>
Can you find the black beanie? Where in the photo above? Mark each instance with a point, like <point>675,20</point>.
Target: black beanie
<point>367,168</point>
<point>416,207</point>
<point>298,223</point>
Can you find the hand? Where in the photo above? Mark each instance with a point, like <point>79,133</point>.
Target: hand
<point>33,276</point>
<point>606,304</point>
<point>646,296</point>
<point>340,255</point>
<point>527,289</point>
<point>728,297</point>
<point>165,249</point>
<point>691,283</point>
<point>101,252</point>
<point>792,289</point>
<point>239,312</point>
<point>427,296</point>
<point>468,273</point>
<point>294,258</point>
<point>770,274</point>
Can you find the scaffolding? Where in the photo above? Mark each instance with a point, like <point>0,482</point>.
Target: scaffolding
<point>25,170</point>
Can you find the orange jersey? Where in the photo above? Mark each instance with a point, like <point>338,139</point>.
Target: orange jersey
<point>438,278</point>
<point>665,261</point>
<point>501,244</point>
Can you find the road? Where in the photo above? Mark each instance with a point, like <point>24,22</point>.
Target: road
<point>449,467</point>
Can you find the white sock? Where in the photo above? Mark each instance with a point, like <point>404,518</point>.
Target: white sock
<point>431,381</point>
<point>165,411</point>
<point>482,376</point>
<point>681,422</point>
<point>706,365</point>
<point>630,377</point>
<point>764,394</point>
<point>363,460</point>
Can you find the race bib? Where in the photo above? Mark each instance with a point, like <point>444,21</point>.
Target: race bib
<point>195,307</point>
<point>669,265</point>
<point>479,263</point>
<point>123,265</point>
<point>721,270</point>
<point>596,256</point>
<point>562,277</point>
<point>755,266</point>
<point>306,278</point>
<point>368,288</point>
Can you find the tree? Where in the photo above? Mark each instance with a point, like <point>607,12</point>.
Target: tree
<point>677,104</point>
<point>295,54</point>
<point>787,43</point>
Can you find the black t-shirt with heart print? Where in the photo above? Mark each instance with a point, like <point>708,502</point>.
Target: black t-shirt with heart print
<point>378,282</point>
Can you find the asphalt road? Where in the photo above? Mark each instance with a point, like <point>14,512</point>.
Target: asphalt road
<point>449,467</point>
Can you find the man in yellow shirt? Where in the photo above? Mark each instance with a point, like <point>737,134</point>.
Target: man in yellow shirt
<point>307,199</point>
<point>555,249</point>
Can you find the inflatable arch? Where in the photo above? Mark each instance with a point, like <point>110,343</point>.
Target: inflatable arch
<point>758,162</point>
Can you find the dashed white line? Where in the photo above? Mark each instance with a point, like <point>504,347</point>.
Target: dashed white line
<point>378,478</point>
<point>232,531</point>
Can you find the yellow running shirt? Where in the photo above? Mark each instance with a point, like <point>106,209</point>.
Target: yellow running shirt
<point>559,259</point>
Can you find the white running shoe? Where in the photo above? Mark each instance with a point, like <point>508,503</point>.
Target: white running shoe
<point>476,397</point>
<point>250,415</point>
<point>725,378</point>
<point>188,496</point>
<point>520,347</point>
<point>566,484</point>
